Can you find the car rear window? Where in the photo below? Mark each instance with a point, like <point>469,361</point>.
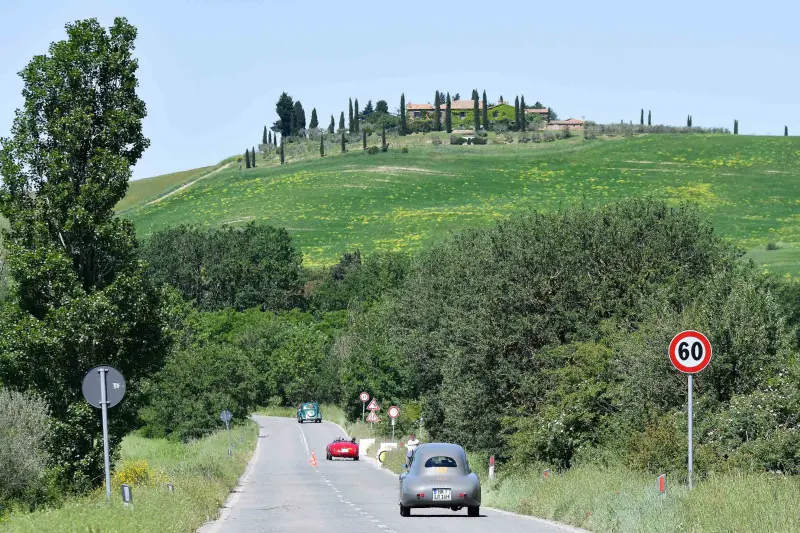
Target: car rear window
<point>440,461</point>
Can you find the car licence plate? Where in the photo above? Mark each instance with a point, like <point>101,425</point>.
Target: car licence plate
<point>441,494</point>
<point>346,450</point>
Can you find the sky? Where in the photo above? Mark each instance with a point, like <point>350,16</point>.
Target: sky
<point>211,70</point>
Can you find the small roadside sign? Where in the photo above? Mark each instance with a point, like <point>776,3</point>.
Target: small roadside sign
<point>394,412</point>
<point>372,417</point>
<point>690,351</point>
<point>364,396</point>
<point>373,405</point>
<point>225,416</point>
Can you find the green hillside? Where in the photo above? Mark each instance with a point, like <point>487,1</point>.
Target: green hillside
<point>395,201</point>
<point>145,190</point>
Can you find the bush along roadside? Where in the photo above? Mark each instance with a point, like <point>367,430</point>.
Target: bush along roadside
<point>201,473</point>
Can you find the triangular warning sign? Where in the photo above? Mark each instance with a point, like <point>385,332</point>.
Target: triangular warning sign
<point>373,406</point>
<point>372,417</point>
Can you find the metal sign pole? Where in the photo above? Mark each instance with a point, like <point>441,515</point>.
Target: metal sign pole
<point>392,429</point>
<point>230,443</point>
<point>691,380</point>
<point>363,412</point>
<point>104,407</point>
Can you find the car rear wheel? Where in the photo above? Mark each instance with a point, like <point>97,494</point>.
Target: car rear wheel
<point>474,510</point>
<point>355,458</point>
<point>299,420</point>
<point>318,420</point>
<point>405,511</point>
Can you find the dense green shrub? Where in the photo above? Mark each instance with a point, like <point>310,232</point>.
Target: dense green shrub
<point>188,394</point>
<point>253,266</point>
<point>457,139</point>
<point>480,140</point>
<point>372,150</point>
<point>24,429</point>
<point>404,149</point>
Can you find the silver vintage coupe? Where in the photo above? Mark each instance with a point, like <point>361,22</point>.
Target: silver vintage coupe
<point>439,476</point>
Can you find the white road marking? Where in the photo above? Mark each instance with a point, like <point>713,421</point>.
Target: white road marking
<point>303,437</point>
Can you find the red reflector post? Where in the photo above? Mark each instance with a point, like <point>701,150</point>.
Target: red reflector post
<point>662,483</point>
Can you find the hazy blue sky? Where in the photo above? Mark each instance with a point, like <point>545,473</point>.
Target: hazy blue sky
<point>211,70</point>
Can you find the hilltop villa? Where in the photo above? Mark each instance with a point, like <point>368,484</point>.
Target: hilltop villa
<point>462,109</point>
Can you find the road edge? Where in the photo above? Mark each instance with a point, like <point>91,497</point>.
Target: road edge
<point>235,493</point>
<point>551,523</point>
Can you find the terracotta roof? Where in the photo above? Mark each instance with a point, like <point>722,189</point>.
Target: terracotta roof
<point>568,122</point>
<point>419,107</point>
<point>462,105</point>
<point>540,111</point>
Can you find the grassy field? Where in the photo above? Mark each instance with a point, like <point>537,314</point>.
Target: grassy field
<point>202,474</point>
<point>394,201</point>
<point>620,500</point>
<point>144,190</point>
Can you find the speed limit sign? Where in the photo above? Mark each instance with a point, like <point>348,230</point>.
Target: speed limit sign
<point>690,351</point>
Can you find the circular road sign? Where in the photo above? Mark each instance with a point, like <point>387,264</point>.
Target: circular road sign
<point>364,396</point>
<point>690,351</point>
<point>115,386</point>
<point>394,411</point>
<point>225,416</point>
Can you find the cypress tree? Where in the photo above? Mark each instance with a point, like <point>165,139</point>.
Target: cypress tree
<point>343,142</point>
<point>476,112</point>
<point>332,126</point>
<point>688,121</point>
<point>283,159</point>
<point>550,115</point>
<point>641,118</point>
<point>314,122</point>
<point>253,156</point>
<point>269,138</point>
<point>448,118</point>
<point>364,139</point>
<point>350,116</point>
<point>649,122</point>
<point>516,113</point>
<point>247,158</point>
<point>437,112</point>
<point>383,138</point>
<point>736,127</point>
<point>322,146</point>
<point>403,125</point>
<point>355,116</point>
<point>786,131</point>
<point>485,112</point>
<point>264,136</point>
<point>523,120</point>
<point>341,121</point>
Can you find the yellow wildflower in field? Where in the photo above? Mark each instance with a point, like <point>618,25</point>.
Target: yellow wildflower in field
<point>136,473</point>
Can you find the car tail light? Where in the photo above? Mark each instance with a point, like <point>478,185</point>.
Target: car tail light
<point>462,495</point>
<point>421,495</point>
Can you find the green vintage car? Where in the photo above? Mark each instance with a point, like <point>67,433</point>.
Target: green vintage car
<point>309,412</point>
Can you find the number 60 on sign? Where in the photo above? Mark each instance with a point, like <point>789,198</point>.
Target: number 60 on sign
<point>690,351</point>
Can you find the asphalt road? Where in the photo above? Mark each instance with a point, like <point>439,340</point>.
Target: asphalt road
<point>283,492</point>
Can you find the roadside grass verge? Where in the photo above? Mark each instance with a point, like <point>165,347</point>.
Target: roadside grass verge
<point>622,500</point>
<point>201,472</point>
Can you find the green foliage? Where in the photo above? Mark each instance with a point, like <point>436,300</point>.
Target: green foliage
<point>194,386</point>
<point>228,267</point>
<point>786,131</point>
<point>298,119</point>
<point>24,426</point>
<point>314,123</point>
<point>373,150</point>
<point>264,136</point>
<point>649,118</point>
<point>283,157</point>
<point>364,140</point>
<point>253,156</point>
<point>403,117</point>
<point>457,139</point>
<point>381,106</point>
<point>81,298</point>
<point>448,116</point>
<point>437,112</point>
<point>736,127</point>
<point>404,149</point>
<point>485,112</point>
<point>322,146</point>
<point>343,143</point>
<point>350,116</point>
<point>341,121</point>
<point>476,117</point>
<point>517,114</point>
<point>331,126</point>
<point>641,117</point>
<point>355,116</point>
<point>284,108</point>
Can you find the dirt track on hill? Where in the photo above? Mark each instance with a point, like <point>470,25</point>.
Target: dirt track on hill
<point>188,184</point>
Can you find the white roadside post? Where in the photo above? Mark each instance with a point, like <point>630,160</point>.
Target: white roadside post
<point>364,397</point>
<point>394,412</point>
<point>690,352</point>
<point>99,395</point>
<point>491,467</point>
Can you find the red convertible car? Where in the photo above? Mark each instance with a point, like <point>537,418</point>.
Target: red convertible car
<point>342,448</point>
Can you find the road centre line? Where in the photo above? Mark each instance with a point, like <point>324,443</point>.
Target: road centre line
<point>303,437</point>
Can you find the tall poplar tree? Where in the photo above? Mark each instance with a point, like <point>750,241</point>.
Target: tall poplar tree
<point>403,123</point>
<point>350,115</point>
<point>314,122</point>
<point>448,116</point>
<point>437,112</point>
<point>476,113</point>
<point>485,112</point>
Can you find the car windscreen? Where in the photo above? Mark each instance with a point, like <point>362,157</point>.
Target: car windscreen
<point>308,406</point>
<point>440,461</point>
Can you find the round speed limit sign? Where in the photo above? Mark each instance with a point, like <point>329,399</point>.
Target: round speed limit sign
<point>364,397</point>
<point>690,351</point>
